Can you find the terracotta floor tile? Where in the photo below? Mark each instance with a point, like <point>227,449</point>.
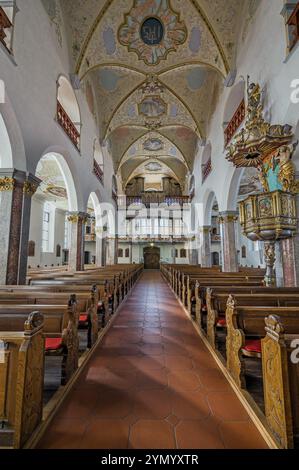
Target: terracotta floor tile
<point>152,404</point>
<point>190,405</point>
<point>203,434</point>
<point>152,434</point>
<point>174,362</point>
<point>213,380</point>
<point>114,404</point>
<point>183,380</point>
<point>152,384</point>
<point>226,406</point>
<point>241,435</point>
<point>63,434</point>
<point>106,434</point>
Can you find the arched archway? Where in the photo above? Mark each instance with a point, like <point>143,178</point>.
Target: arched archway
<point>55,198</point>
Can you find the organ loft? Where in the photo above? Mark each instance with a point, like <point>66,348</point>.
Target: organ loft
<point>149,243</point>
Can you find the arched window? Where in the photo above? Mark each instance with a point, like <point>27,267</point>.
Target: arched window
<point>120,253</point>
<point>68,112</point>
<point>7,19</point>
<point>127,253</point>
<point>244,252</point>
<point>48,228</point>
<point>58,251</point>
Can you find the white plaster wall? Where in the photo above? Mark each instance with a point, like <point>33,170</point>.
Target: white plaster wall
<point>35,234</point>
<point>165,250</point>
<point>30,80</point>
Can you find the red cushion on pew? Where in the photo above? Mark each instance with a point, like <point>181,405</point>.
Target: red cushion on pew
<point>221,322</point>
<point>53,344</point>
<point>253,345</point>
<point>83,318</point>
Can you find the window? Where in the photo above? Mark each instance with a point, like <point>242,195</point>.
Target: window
<point>48,228</point>
<point>7,17</point>
<point>243,251</point>
<point>58,251</point>
<point>66,233</point>
<point>127,253</point>
<point>291,14</point>
<point>120,253</point>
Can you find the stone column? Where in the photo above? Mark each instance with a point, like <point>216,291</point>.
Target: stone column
<point>99,246</point>
<point>205,257</point>
<point>110,253</point>
<point>279,268</point>
<point>30,187</point>
<point>15,193</point>
<point>228,222</point>
<point>76,255</point>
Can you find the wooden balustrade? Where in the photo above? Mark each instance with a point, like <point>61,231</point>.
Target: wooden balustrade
<point>156,198</point>
<point>235,122</point>
<point>67,125</point>
<point>293,26</point>
<point>206,169</point>
<point>98,171</point>
<point>5,23</point>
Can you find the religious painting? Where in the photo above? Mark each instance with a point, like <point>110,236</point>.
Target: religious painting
<point>265,207</point>
<point>153,166</point>
<point>57,191</point>
<point>152,107</point>
<point>152,29</point>
<point>153,145</point>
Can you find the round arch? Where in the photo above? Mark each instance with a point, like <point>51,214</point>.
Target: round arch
<point>12,152</point>
<point>74,197</point>
<point>68,100</point>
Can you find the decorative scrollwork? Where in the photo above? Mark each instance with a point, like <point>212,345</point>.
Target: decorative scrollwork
<point>7,184</point>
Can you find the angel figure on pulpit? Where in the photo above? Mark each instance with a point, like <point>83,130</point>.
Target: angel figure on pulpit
<point>286,173</point>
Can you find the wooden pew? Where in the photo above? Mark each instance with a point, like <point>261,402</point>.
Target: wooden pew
<point>217,301</point>
<point>21,380</point>
<point>60,329</point>
<point>281,381</point>
<point>86,302</point>
<point>245,329</point>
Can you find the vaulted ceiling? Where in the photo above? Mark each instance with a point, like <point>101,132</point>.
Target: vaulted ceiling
<point>152,69</point>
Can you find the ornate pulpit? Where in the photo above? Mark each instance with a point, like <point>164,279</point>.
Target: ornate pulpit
<point>268,216</point>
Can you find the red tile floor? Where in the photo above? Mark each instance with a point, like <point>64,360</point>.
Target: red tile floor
<point>152,383</point>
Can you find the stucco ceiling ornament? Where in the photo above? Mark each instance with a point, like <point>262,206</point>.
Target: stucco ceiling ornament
<point>258,139</point>
<point>152,107</point>
<point>152,29</point>
<point>152,86</point>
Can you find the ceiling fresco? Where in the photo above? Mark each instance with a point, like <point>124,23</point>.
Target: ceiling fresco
<point>52,187</point>
<point>151,66</point>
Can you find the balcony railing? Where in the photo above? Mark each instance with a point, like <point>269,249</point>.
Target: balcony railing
<point>98,171</point>
<point>206,169</point>
<point>5,24</point>
<point>90,237</point>
<point>215,238</point>
<point>293,27</point>
<point>156,198</point>
<point>67,125</point>
<point>235,122</point>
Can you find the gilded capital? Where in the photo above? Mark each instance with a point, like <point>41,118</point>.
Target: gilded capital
<point>7,184</point>
<point>29,188</point>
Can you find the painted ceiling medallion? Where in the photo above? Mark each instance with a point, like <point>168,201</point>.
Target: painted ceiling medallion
<point>152,29</point>
<point>152,107</point>
<point>153,166</point>
<point>153,145</point>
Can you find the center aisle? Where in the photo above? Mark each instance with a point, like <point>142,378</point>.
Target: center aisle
<point>152,383</point>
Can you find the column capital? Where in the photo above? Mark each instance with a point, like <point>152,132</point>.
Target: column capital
<point>31,185</point>
<point>205,229</point>
<point>228,216</point>
<point>76,217</point>
<point>9,177</point>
